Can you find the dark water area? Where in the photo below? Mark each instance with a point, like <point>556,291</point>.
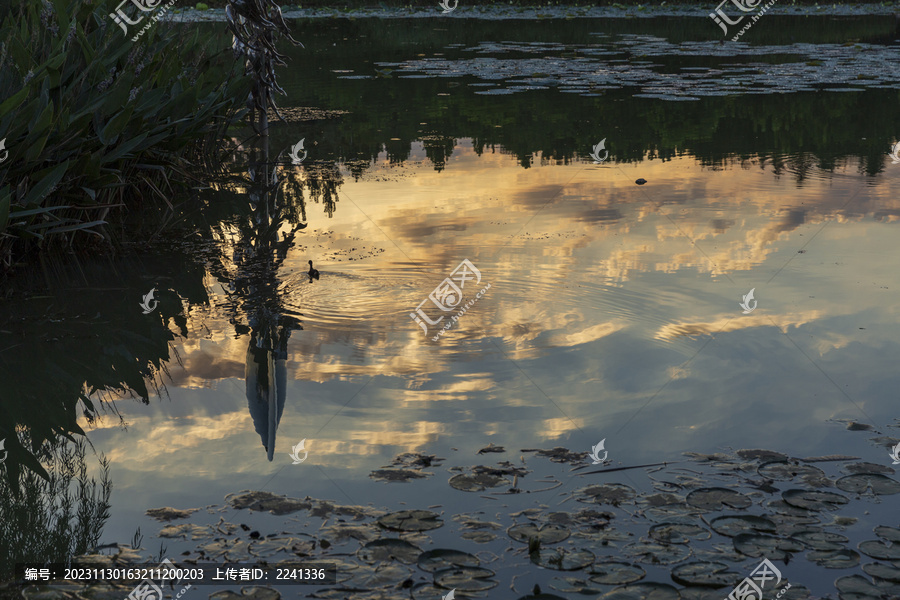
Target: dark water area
<point>646,389</point>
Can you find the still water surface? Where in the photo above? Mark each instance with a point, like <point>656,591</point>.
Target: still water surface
<point>613,311</point>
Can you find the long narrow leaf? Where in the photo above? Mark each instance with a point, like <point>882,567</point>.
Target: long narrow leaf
<point>43,187</point>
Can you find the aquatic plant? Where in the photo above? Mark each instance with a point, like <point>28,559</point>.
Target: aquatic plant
<point>53,519</point>
<point>94,123</point>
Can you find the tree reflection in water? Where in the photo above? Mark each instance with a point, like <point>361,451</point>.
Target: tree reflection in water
<point>251,254</point>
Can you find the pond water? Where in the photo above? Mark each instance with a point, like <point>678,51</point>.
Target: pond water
<point>614,312</point>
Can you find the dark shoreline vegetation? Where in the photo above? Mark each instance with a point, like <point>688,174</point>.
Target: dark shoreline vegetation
<point>97,126</point>
<point>515,3</point>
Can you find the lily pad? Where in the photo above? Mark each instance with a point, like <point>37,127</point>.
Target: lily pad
<point>411,520</point>
<point>700,593</point>
<point>560,455</point>
<point>866,467</point>
<point>341,532</point>
<point>440,559</point>
<point>834,559</point>
<point>814,500</point>
<point>561,559</point>
<point>891,534</point>
<point>656,554</point>
<point>269,547</point>
<point>477,482</point>
<point>574,585</point>
<point>678,533</point>
<point>397,475</point>
<point>882,571</point>
<point>661,499</point>
<point>822,540</point>
<point>389,549</point>
<point>267,501</point>
<point>382,575</point>
<point>711,574</point>
<point>642,591</point>
<point>606,493</point>
<point>674,513</point>
<point>879,550</point>
<point>881,485</point>
<point>783,508</point>
<point>763,455</point>
<point>168,513</point>
<point>466,579</point>
<point>717,498</point>
<point>782,470</point>
<point>546,533</point>
<point>856,584</point>
<point>616,573</point>
<point>195,532</point>
<point>760,545</point>
<point>732,525</point>
<point>416,460</point>
<point>479,537</point>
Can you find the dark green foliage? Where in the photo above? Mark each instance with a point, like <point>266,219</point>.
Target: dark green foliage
<point>95,122</point>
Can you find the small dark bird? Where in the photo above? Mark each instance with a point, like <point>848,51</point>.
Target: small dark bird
<point>641,181</point>
<point>313,273</point>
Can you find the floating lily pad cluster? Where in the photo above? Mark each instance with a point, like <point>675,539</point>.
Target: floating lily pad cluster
<point>693,535</point>
<point>611,64</point>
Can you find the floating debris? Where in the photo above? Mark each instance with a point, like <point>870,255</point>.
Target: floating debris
<point>389,549</point>
<point>397,475</point>
<point>545,533</point>
<point>560,455</point>
<point>717,498</point>
<point>607,493</point>
<point>416,460</point>
<point>170,514</point>
<point>411,520</point>
<point>491,448</point>
<point>713,574</point>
